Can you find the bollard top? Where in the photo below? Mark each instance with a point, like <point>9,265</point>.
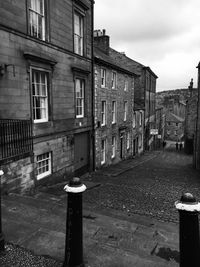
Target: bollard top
<point>75,182</point>
<point>75,186</point>
<point>188,198</point>
<point>188,203</point>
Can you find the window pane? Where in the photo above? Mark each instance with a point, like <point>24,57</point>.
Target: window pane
<point>39,93</point>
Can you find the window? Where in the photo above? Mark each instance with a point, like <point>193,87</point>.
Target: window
<point>128,140</point>
<point>134,120</point>
<point>103,113</point>
<point>40,89</point>
<point>80,88</point>
<point>43,165</point>
<point>103,151</point>
<point>114,80</point>
<point>140,118</point>
<point>37,19</point>
<point>140,140</point>
<point>103,78</point>
<point>125,110</point>
<point>113,147</point>
<point>78,33</point>
<point>176,124</point>
<point>133,84</point>
<point>113,112</point>
<point>125,85</point>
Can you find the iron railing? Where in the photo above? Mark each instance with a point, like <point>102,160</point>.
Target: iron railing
<point>16,139</point>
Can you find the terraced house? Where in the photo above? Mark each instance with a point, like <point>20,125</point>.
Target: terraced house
<point>45,90</point>
<point>116,137</point>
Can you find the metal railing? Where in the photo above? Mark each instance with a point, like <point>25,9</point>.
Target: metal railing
<point>16,139</point>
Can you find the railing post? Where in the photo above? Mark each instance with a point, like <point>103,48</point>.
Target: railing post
<point>189,230</point>
<point>2,242</point>
<point>74,224</point>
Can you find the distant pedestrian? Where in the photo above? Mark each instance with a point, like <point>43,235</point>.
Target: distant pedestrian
<point>180,146</point>
<point>164,144</point>
<point>176,145</point>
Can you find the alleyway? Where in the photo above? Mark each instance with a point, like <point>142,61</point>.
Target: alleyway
<point>150,188</point>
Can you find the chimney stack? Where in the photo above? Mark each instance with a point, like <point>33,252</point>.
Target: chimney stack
<point>102,41</point>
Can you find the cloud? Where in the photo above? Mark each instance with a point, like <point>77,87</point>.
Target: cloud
<point>162,34</point>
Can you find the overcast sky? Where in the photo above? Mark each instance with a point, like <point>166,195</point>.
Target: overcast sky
<point>161,34</point>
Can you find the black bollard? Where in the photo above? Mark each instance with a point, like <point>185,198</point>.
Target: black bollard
<point>2,242</point>
<point>74,224</point>
<point>189,231</point>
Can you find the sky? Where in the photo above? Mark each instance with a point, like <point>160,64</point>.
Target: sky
<point>161,34</point>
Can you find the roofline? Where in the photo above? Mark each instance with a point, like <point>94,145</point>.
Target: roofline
<point>149,69</point>
<point>101,61</point>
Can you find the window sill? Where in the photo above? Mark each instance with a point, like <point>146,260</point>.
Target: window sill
<point>45,175</point>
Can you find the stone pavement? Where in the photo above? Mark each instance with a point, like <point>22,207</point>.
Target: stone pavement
<point>117,230</point>
<point>38,225</point>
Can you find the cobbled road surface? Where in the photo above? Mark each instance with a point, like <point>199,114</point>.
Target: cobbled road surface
<point>150,188</point>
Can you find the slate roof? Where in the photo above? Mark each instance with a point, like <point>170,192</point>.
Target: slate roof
<point>102,58</point>
<point>173,118</point>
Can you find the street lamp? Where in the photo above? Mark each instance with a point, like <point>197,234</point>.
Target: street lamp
<point>1,234</point>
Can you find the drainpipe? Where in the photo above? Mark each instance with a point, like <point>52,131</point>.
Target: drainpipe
<point>92,86</point>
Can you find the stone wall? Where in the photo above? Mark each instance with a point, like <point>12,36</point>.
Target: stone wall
<point>18,176</point>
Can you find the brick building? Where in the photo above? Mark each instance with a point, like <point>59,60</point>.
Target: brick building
<point>46,78</point>
<point>116,137</point>
<point>145,93</point>
<point>196,153</point>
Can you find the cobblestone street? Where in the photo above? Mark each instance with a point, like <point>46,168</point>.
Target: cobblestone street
<point>149,188</point>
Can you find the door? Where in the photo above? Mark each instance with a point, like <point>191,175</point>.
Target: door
<point>134,148</point>
<point>81,153</point>
<point>121,145</point>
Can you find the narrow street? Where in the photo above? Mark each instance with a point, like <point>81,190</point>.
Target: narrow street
<point>129,218</point>
<point>150,188</point>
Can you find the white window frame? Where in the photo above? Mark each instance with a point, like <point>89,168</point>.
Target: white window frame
<point>139,140</point>
<point>140,118</point>
<point>43,163</point>
<point>128,140</point>
<point>125,110</point>
<point>37,19</point>
<point>78,33</point>
<point>114,108</point>
<point>103,113</point>
<point>126,85</point>
<point>40,95</point>
<point>103,151</point>
<point>113,147</point>
<point>114,80</point>
<point>103,77</point>
<point>80,97</point>
<point>134,120</point>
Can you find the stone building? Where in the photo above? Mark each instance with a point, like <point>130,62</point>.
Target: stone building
<point>160,126</point>
<point>196,153</point>
<point>115,131</point>
<point>174,127</point>
<point>145,93</point>
<point>46,78</point>
<point>190,118</point>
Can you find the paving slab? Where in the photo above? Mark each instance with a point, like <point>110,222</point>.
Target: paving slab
<point>38,225</point>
